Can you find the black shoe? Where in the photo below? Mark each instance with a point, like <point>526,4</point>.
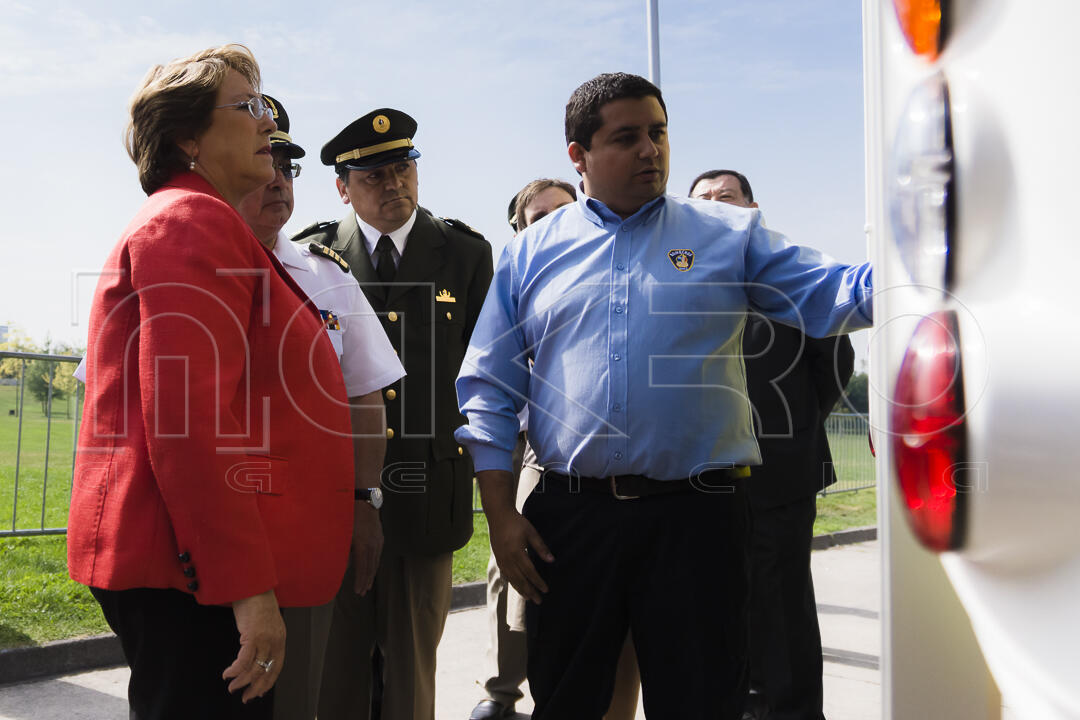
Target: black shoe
<point>491,710</point>
<point>756,707</point>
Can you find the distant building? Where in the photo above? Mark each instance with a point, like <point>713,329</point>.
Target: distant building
<point>4,333</point>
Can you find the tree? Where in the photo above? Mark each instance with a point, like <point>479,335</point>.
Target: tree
<point>16,342</point>
<point>38,373</point>
<point>856,397</point>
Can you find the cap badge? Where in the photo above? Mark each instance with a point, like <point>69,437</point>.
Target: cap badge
<point>445,296</point>
<point>683,260</point>
<point>381,123</point>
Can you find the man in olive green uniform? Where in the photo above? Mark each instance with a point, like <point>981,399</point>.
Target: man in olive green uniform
<point>426,278</point>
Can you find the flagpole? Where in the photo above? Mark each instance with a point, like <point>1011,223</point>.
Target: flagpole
<point>652,29</point>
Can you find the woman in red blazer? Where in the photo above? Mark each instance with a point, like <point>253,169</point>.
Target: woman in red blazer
<point>213,481</point>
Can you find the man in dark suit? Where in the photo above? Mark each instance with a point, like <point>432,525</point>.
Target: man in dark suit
<point>426,278</point>
<point>793,381</point>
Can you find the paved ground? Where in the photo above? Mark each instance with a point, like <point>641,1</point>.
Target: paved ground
<point>848,593</point>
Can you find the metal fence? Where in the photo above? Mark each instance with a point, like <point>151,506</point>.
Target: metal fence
<point>849,444</point>
<point>39,428</point>
<point>38,441</point>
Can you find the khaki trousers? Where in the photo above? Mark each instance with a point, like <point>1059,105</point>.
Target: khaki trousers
<point>506,653</point>
<point>405,613</point>
<point>296,692</point>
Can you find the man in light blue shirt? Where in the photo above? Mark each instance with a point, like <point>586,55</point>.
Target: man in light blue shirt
<point>631,304</point>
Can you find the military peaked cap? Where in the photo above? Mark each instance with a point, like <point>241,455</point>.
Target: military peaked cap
<point>279,139</point>
<point>379,138</point>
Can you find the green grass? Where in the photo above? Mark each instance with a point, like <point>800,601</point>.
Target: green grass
<point>470,562</point>
<point>38,602</point>
<point>846,510</point>
<point>31,453</point>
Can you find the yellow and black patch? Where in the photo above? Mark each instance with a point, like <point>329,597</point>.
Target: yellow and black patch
<point>326,252</point>
<point>683,259</point>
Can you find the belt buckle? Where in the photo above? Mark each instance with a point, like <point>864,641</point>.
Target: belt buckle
<point>615,492</point>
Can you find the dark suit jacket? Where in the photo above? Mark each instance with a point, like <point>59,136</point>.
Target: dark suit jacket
<point>201,465</point>
<point>793,382</point>
<point>435,299</point>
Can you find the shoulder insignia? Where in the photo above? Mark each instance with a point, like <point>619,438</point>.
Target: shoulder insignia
<point>315,228</point>
<point>462,226</point>
<point>320,249</point>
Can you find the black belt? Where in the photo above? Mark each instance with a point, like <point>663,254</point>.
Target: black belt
<point>631,487</point>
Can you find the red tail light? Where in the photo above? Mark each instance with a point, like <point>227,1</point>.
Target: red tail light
<point>921,22</point>
<point>928,437</point>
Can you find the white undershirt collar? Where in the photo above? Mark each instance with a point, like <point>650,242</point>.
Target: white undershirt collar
<point>398,237</point>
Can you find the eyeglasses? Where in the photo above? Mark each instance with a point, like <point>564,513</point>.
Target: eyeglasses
<point>289,169</point>
<point>256,106</point>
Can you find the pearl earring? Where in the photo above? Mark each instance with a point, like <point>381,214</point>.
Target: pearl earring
<point>191,165</point>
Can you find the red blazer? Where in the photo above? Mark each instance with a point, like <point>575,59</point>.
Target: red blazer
<point>215,453</point>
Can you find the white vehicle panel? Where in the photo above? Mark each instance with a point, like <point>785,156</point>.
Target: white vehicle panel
<point>1011,68</point>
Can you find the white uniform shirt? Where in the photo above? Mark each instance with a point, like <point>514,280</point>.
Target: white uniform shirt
<point>368,360</point>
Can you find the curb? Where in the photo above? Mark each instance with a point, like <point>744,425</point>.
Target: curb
<point>468,595</point>
<point>60,658</point>
<point>844,537</point>
<point>102,651</point>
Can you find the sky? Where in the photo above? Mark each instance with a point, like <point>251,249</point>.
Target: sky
<point>772,88</point>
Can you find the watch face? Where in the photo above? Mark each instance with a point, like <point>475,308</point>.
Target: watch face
<point>375,498</point>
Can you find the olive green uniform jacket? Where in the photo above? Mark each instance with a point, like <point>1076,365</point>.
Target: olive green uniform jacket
<point>428,312</point>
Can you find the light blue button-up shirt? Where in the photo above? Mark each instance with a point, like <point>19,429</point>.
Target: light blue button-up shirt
<point>635,330</point>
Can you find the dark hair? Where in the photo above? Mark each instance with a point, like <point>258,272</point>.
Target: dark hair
<point>744,184</point>
<point>583,108</point>
<point>175,102</point>
<point>528,193</point>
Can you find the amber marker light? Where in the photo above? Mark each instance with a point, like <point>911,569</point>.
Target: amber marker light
<point>921,23</point>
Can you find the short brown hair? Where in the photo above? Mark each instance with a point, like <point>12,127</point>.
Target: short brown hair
<point>174,102</point>
<point>528,193</point>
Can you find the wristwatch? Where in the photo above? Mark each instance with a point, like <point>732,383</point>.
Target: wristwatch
<point>373,496</point>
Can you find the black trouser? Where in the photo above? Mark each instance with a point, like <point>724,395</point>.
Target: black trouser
<point>177,650</point>
<point>785,642</point>
<point>670,568</point>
